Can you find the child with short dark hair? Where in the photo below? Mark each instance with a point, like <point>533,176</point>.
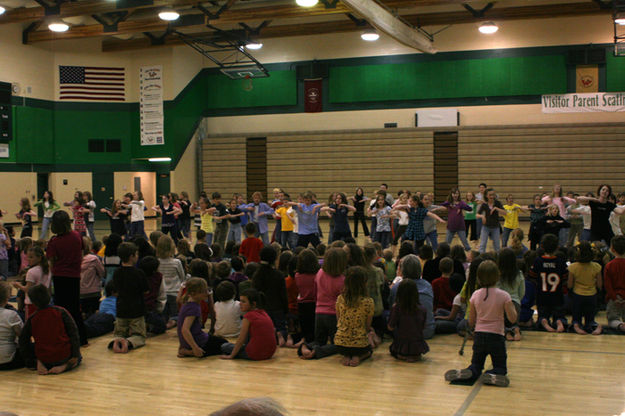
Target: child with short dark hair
<point>237,276</point>
<point>584,279</point>
<point>194,341</point>
<point>227,311</point>
<point>551,273</point>
<point>251,246</point>
<point>57,343</point>
<point>131,286</point>
<point>443,295</point>
<point>488,305</point>
<point>614,279</point>
<point>407,322</point>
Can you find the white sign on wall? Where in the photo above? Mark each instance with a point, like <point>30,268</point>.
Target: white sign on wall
<point>610,102</point>
<point>151,105</point>
<point>4,150</point>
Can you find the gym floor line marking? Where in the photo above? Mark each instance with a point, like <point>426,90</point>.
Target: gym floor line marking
<point>547,349</point>
<point>467,402</point>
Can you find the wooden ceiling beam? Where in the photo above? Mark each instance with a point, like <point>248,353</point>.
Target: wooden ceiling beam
<point>430,19</point>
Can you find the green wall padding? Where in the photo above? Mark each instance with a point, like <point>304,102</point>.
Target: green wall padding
<point>280,88</point>
<point>615,73</point>
<point>532,75</point>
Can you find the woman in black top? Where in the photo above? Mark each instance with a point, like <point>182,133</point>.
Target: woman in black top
<point>489,213</point>
<point>600,209</point>
<point>359,215</point>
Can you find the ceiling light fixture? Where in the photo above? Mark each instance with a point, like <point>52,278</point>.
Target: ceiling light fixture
<point>2,10</point>
<point>168,14</point>
<point>488,28</point>
<point>306,3</point>
<point>254,45</point>
<point>57,25</point>
<point>159,159</point>
<point>370,35</point>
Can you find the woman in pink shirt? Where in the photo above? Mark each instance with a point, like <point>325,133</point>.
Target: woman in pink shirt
<point>329,283</point>
<point>488,305</point>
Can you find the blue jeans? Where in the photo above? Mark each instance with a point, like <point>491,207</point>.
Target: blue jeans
<point>563,236</point>
<point>493,233</point>
<point>585,235</point>
<point>45,225</point>
<point>505,236</point>
<point>264,236</point>
<point>478,226</point>
<point>234,233</point>
<point>137,228</point>
<point>288,239</point>
<point>432,237</point>
<point>462,235</point>
<point>90,231</point>
<point>228,347</point>
<point>485,344</point>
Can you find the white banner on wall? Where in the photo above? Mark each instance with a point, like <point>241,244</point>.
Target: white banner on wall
<point>4,150</point>
<point>582,103</point>
<point>151,105</point>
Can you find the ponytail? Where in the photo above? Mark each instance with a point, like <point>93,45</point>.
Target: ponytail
<point>43,260</point>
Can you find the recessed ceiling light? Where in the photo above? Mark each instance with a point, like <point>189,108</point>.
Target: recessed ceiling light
<point>254,45</point>
<point>168,14</point>
<point>159,159</point>
<point>2,10</point>
<point>488,28</point>
<point>58,26</point>
<point>370,35</point>
<point>306,3</point>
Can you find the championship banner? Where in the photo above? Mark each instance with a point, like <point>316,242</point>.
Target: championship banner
<point>587,78</point>
<point>151,105</point>
<point>601,102</point>
<point>312,95</point>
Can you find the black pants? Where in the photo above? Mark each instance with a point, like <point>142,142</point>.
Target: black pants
<point>172,230</point>
<point>213,345</point>
<point>552,313</point>
<point>379,325</point>
<point>155,323</point>
<point>306,314</point>
<point>89,305</point>
<point>99,324</point>
<point>67,295</point>
<point>586,307</point>
<point>337,235</point>
<point>399,232</point>
<point>485,344</point>
<point>471,227</point>
<point>304,240</point>
<point>360,217</point>
<point>27,231</point>
<point>325,328</point>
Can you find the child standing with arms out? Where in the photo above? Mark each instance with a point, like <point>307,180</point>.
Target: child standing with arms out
<point>26,215</point>
<point>131,286</point>
<point>234,217</point>
<point>584,279</point>
<point>382,213</point>
<point>511,219</point>
<point>49,206</point>
<point>455,218</point>
<point>407,322</point>
<point>137,215</point>
<point>537,212</point>
<point>193,341</point>
<point>488,305</point>
<point>614,275</point>
<point>354,313</point>
<point>288,238</point>
<point>551,273</point>
<point>257,340</point>
<point>469,217</point>
<point>57,343</point>
<point>38,273</point>
<point>489,212</point>
<point>260,212</point>
<point>78,212</point>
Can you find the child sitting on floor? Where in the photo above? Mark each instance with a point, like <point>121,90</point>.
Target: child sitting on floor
<point>584,279</point>
<point>194,341</point>
<point>227,311</point>
<point>10,329</point>
<point>354,313</point>
<point>57,344</point>
<point>131,286</point>
<point>614,275</point>
<point>103,321</point>
<point>257,340</point>
<point>407,322</point>
<point>488,305</point>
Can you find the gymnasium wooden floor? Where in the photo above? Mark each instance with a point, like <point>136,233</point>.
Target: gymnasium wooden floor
<point>551,374</point>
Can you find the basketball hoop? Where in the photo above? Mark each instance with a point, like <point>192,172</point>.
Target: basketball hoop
<point>247,83</point>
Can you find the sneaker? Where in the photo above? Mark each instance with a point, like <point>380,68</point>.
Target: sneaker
<point>495,380</point>
<point>453,375</point>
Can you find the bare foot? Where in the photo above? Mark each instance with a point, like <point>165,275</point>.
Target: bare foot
<point>598,330</point>
<point>354,362</point>
<point>307,354</point>
<point>117,347</point>
<point>281,341</point>
<point>517,334</point>
<point>560,326</point>
<point>545,324</point>
<point>298,344</point>
<point>123,346</point>
<point>579,330</point>
<point>621,327</point>
<point>171,324</point>
<point>509,336</point>
<point>41,369</point>
<point>345,361</point>
<point>289,342</point>
<point>58,369</point>
<point>183,353</point>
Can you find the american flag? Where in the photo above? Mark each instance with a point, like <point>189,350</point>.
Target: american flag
<point>92,83</point>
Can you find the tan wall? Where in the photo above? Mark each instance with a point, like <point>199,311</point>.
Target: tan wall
<point>223,166</point>
<point>527,160</point>
<point>15,186</point>
<point>125,182</point>
<point>185,177</point>
<point>76,181</point>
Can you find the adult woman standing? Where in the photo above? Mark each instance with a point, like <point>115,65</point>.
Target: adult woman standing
<point>64,252</point>
<point>50,206</point>
<point>600,209</point>
<point>359,215</point>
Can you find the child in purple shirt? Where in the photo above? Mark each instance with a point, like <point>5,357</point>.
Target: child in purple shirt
<point>193,341</point>
<point>455,217</point>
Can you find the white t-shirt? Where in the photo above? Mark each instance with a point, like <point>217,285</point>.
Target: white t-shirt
<point>36,276</point>
<point>615,222</point>
<point>293,216</point>
<point>586,215</point>
<point>227,319</point>
<point>136,213</point>
<point>91,205</point>
<point>9,320</point>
